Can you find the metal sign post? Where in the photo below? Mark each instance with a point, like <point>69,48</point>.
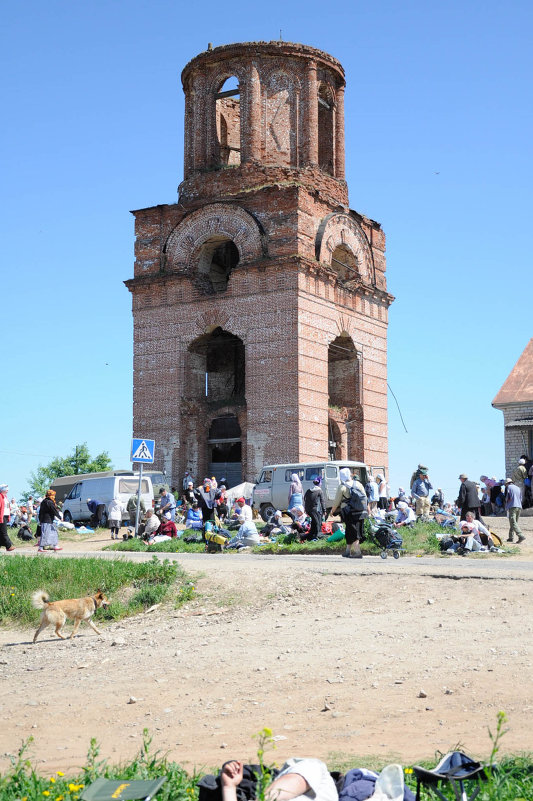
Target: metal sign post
<point>142,451</point>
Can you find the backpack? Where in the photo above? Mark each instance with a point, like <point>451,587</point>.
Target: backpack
<point>357,500</point>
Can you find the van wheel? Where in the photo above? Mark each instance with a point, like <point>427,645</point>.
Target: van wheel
<point>266,511</point>
<point>67,517</point>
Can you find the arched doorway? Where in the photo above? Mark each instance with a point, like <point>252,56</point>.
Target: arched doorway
<point>225,449</point>
<point>345,428</point>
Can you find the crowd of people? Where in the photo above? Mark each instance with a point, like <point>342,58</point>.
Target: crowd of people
<point>206,511</point>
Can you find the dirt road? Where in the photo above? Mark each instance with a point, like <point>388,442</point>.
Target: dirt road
<point>340,658</point>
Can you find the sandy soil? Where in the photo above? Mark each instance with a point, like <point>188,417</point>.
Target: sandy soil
<point>342,659</point>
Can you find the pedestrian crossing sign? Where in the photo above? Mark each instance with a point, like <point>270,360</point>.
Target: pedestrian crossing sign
<point>142,450</point>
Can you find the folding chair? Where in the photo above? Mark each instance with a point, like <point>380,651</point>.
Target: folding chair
<point>455,768</point>
<point>124,790</point>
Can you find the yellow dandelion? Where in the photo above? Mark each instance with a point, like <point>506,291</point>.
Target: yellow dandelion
<point>60,773</point>
<point>24,798</point>
<point>46,792</point>
<point>72,787</point>
<point>60,797</point>
<point>52,779</point>
<point>408,770</point>
<point>12,594</point>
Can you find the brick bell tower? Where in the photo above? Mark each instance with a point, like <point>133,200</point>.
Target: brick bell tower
<point>259,299</point>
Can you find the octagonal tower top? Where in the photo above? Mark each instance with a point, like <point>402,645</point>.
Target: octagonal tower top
<point>261,108</point>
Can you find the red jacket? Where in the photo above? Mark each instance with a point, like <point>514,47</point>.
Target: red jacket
<point>3,506</point>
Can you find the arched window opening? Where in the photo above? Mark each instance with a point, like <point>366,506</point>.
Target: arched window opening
<point>343,373</point>
<point>218,257</point>
<point>325,129</point>
<point>334,441</point>
<point>344,263</point>
<point>228,122</point>
<point>218,365</point>
<point>225,449</point>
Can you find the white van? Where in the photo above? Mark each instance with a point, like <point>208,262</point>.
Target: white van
<point>103,489</point>
<point>271,491</point>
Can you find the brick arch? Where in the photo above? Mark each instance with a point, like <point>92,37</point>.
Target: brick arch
<point>184,244</point>
<point>341,229</point>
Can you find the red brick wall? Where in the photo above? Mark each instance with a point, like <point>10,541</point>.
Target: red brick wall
<point>284,300</point>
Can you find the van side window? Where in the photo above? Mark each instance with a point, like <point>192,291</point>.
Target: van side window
<point>266,477</point>
<point>130,485</point>
<point>299,472</point>
<point>314,472</point>
<point>331,471</point>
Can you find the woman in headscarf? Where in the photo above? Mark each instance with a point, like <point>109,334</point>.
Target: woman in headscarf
<point>352,517</point>
<point>48,512</point>
<point>295,492</point>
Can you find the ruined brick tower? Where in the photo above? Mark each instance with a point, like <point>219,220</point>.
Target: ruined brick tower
<point>259,299</point>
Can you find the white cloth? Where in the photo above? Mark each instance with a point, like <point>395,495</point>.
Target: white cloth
<point>114,510</point>
<point>322,787</point>
<point>152,524</point>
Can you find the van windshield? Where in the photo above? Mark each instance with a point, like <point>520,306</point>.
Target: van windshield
<point>129,486</point>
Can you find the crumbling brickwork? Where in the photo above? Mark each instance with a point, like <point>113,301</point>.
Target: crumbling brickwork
<point>259,299</point>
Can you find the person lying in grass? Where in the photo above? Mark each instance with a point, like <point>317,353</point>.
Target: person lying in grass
<point>303,779</point>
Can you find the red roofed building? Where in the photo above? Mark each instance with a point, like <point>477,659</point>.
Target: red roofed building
<point>515,399</point>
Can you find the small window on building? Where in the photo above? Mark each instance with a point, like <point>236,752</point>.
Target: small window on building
<point>218,257</point>
<point>325,128</point>
<point>344,263</point>
<point>228,122</point>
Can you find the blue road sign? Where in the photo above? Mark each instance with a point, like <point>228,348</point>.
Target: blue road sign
<point>142,450</point>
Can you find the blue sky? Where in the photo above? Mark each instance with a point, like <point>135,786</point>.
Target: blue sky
<point>438,149</point>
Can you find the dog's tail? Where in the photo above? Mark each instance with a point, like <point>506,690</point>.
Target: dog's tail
<point>39,599</point>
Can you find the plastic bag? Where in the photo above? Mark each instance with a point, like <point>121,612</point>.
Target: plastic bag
<point>389,784</point>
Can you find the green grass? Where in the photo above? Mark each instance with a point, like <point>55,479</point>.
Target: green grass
<point>511,779</point>
<point>421,539</point>
<point>175,545</point>
<point>130,586</point>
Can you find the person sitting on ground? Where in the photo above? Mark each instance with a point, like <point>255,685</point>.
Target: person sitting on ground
<point>405,516</point>
<point>246,535</point>
<point>195,519</point>
<point>242,509</point>
<point>484,534</point>
<point>304,779</point>
<point>469,539</point>
<point>151,525</point>
<point>301,524</point>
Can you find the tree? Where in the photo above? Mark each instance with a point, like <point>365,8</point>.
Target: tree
<point>79,461</point>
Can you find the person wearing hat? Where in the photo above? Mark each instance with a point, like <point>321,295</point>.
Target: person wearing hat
<point>315,506</point>
<point>420,492</point>
<point>188,496</point>
<point>167,504</point>
<point>5,542</point>
<point>513,507</point>
<point>468,498</point>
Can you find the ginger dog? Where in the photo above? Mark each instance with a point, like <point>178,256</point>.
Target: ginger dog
<point>55,613</point>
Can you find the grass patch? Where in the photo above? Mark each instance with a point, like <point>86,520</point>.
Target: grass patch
<point>421,539</point>
<point>174,545</point>
<point>510,780</point>
<point>130,586</point>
